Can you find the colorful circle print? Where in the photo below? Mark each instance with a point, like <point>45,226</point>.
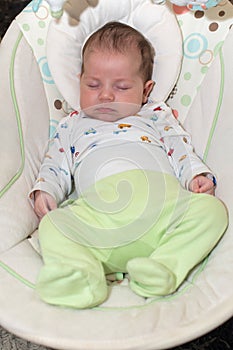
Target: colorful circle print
<point>46,75</point>
<point>194,45</point>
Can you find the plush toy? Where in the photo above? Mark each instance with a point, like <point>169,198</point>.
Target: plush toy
<point>75,7</point>
<point>57,6</point>
<point>78,6</point>
<point>191,4</point>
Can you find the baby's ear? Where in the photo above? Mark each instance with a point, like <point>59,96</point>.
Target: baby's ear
<point>147,90</point>
<point>75,8</point>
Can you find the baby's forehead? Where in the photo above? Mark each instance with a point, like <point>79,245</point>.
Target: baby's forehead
<point>96,59</point>
<point>124,62</point>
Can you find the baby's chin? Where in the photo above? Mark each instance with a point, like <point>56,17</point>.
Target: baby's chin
<point>111,112</point>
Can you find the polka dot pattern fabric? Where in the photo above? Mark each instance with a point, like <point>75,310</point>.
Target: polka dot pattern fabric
<point>34,26</point>
<point>203,33</point>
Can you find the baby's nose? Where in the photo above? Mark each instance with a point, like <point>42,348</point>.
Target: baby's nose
<point>106,95</point>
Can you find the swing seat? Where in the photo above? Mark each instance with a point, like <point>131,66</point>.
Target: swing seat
<point>39,85</point>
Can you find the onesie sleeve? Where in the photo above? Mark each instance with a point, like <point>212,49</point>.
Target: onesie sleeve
<point>177,144</point>
<point>55,175</point>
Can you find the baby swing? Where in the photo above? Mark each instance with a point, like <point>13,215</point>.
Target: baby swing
<point>39,85</point>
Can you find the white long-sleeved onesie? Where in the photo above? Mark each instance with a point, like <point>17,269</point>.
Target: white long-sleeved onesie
<point>86,150</point>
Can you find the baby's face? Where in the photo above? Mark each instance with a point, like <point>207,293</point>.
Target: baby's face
<point>111,86</point>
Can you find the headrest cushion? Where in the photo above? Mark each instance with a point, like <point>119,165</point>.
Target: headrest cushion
<point>156,22</point>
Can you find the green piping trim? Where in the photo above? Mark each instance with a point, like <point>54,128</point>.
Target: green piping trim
<point>16,275</point>
<point>219,104</point>
<point>18,120</point>
<point>155,300</point>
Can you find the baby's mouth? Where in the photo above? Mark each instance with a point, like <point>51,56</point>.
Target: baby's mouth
<point>112,111</point>
<point>105,110</point>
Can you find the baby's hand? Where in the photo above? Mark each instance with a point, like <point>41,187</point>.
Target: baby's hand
<point>43,203</point>
<point>202,184</point>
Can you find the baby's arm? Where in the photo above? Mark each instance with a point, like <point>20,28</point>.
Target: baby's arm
<point>188,167</point>
<point>54,181</point>
<point>43,203</point>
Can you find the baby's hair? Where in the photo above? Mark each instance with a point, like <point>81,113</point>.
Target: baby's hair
<point>119,37</point>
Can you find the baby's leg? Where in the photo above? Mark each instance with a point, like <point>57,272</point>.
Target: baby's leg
<point>71,276</point>
<point>189,239</point>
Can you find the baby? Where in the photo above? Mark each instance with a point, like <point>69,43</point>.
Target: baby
<point>143,201</point>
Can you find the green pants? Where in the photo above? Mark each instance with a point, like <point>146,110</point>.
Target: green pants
<point>140,222</point>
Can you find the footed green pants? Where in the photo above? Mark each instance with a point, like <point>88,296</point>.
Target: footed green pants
<point>140,222</point>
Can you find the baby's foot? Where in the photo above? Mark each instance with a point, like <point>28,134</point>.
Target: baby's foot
<point>149,278</point>
<point>72,286</point>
